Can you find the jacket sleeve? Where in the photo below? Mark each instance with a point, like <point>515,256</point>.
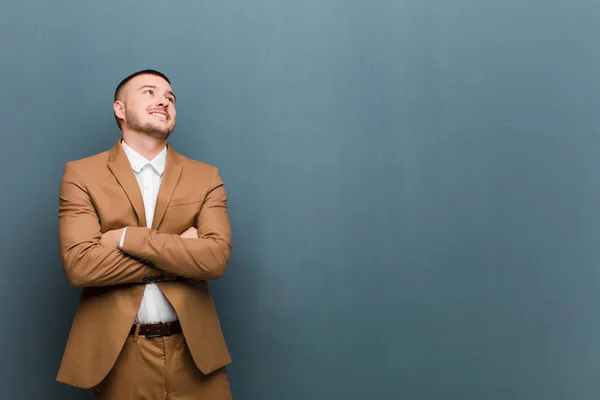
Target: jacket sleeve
<point>204,258</point>
<point>85,261</point>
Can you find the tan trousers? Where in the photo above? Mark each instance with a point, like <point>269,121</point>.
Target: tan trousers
<point>160,368</point>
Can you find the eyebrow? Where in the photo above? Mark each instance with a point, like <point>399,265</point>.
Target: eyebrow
<point>154,87</point>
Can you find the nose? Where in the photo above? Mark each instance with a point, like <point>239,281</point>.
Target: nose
<point>163,102</point>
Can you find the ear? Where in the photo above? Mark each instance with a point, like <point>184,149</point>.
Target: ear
<point>119,109</point>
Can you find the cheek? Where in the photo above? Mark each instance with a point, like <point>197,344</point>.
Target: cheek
<point>142,111</point>
<point>137,114</point>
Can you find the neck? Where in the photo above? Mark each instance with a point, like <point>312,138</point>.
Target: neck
<point>147,146</point>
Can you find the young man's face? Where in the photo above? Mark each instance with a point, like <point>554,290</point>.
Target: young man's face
<point>147,105</point>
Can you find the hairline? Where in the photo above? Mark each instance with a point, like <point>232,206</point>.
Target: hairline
<point>127,79</point>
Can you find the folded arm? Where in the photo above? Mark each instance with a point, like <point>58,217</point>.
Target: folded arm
<point>201,258</point>
<point>86,262</point>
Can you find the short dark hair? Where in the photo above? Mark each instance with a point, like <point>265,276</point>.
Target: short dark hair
<point>130,77</point>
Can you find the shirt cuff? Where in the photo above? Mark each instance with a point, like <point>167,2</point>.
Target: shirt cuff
<point>122,238</point>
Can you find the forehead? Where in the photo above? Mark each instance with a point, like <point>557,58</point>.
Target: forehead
<point>148,80</point>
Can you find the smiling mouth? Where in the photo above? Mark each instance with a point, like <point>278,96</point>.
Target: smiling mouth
<point>159,115</point>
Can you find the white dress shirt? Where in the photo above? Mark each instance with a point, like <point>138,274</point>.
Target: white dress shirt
<point>154,307</point>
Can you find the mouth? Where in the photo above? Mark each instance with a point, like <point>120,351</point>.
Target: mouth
<point>159,115</point>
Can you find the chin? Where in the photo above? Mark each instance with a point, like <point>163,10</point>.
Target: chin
<point>160,134</point>
<point>157,132</point>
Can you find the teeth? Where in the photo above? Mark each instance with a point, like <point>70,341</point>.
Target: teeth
<point>161,116</point>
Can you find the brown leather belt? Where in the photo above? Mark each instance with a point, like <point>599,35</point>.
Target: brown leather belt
<point>157,330</point>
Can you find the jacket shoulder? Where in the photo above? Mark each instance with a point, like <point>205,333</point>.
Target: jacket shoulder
<point>90,161</point>
<point>78,170</point>
<point>197,166</point>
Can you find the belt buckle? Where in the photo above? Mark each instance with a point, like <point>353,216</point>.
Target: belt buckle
<point>168,328</point>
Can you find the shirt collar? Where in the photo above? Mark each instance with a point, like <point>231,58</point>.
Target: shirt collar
<point>138,162</point>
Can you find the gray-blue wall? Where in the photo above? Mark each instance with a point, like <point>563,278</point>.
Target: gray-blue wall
<point>414,186</point>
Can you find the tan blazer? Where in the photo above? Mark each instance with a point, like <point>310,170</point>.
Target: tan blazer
<point>101,193</point>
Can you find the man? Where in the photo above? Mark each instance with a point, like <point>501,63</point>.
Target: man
<point>142,229</point>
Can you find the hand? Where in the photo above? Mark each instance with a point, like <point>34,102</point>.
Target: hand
<point>111,239</point>
<point>190,233</point>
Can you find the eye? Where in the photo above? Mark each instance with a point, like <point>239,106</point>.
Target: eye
<point>149,91</point>
<point>172,100</point>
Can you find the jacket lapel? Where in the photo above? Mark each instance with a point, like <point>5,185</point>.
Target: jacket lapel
<point>121,168</point>
<point>173,168</point>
